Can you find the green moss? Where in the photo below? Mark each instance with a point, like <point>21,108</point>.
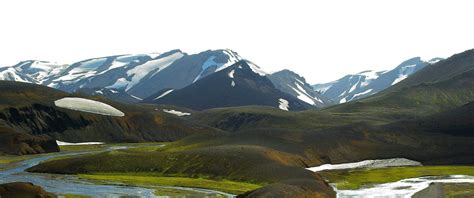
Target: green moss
<point>82,147</point>
<point>131,179</point>
<point>171,192</point>
<point>355,179</point>
<point>458,190</point>
<point>6,159</point>
<point>74,196</point>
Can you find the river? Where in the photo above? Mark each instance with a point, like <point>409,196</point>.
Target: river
<point>70,184</point>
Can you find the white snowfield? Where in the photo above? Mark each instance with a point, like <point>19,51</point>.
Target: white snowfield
<point>403,188</point>
<point>89,106</point>
<point>367,164</point>
<point>231,74</point>
<point>178,113</point>
<point>76,144</point>
<point>283,104</point>
<point>164,94</point>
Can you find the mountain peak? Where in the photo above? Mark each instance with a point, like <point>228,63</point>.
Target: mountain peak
<point>369,82</point>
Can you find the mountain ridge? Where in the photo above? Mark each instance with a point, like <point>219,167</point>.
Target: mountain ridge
<point>363,84</point>
<point>240,84</point>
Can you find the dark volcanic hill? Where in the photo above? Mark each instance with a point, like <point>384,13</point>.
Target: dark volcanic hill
<point>241,84</point>
<point>30,109</point>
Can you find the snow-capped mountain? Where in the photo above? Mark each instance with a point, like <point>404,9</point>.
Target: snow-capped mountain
<point>241,84</point>
<point>136,75</point>
<point>32,71</point>
<point>296,85</point>
<point>367,83</point>
<point>11,74</point>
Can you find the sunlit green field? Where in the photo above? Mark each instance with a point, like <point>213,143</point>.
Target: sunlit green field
<point>355,179</point>
<point>6,159</point>
<point>131,179</point>
<point>458,190</point>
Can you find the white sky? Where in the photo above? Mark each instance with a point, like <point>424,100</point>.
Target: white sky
<point>321,40</point>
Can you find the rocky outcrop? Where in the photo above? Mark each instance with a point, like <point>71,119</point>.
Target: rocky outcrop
<point>40,119</point>
<point>16,143</point>
<point>23,189</point>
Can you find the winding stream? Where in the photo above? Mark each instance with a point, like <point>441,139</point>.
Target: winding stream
<point>400,189</point>
<point>70,184</point>
<point>403,188</point>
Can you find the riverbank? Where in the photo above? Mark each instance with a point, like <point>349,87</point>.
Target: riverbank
<point>396,181</point>
<point>70,185</point>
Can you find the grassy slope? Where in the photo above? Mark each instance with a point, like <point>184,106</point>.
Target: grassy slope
<point>137,179</point>
<point>355,179</point>
<point>462,190</point>
<point>246,166</point>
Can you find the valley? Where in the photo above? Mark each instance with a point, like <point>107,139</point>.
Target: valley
<point>90,186</point>
<point>229,134</point>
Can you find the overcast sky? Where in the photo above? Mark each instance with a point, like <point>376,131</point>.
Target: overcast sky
<point>321,40</point>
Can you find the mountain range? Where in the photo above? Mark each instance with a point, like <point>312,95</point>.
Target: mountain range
<point>173,77</point>
<point>366,83</point>
<point>426,117</point>
<point>241,84</point>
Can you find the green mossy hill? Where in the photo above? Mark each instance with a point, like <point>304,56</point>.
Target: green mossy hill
<point>442,86</point>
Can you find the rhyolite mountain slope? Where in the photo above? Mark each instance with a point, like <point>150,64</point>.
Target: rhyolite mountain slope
<point>291,83</point>
<point>241,84</point>
<point>367,83</point>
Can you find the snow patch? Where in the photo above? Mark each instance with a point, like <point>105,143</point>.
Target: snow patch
<point>232,84</point>
<point>89,106</point>
<point>370,75</point>
<point>233,58</point>
<point>135,97</point>
<point>354,87</point>
<point>283,104</point>
<point>120,83</point>
<point>12,75</point>
<point>164,94</point>
<point>154,55</point>
<point>256,69</point>
<point>362,93</point>
<point>342,100</point>
<point>155,66</point>
<point>367,164</point>
<point>324,88</point>
<point>76,144</point>
<point>302,94</point>
<point>231,74</point>
<point>400,78</point>
<point>178,113</point>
